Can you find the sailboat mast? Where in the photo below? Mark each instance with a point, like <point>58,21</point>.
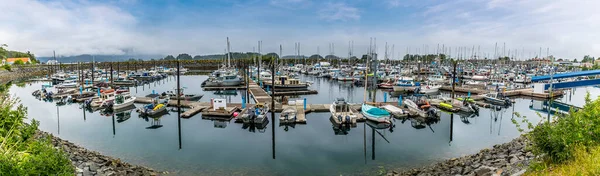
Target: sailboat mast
<point>228,54</point>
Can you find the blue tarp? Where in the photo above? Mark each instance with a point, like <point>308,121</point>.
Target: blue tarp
<point>375,111</point>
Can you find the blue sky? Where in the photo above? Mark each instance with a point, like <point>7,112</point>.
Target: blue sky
<point>200,27</point>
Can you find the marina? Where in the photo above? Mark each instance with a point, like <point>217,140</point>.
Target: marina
<point>300,114</point>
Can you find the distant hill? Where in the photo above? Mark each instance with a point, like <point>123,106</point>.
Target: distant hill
<point>100,58</point>
<point>116,58</point>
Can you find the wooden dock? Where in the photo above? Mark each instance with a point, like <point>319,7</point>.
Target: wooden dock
<point>259,95</point>
<point>464,89</point>
<point>296,92</point>
<point>224,88</point>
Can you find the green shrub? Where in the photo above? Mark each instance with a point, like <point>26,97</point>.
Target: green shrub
<point>20,152</point>
<point>557,141</point>
<point>6,67</point>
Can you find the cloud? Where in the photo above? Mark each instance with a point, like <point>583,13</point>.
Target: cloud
<point>338,12</point>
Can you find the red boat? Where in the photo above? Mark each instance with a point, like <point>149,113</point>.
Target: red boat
<point>386,85</point>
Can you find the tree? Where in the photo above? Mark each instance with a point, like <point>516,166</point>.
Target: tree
<point>184,56</point>
<point>19,62</point>
<point>575,60</point>
<point>169,57</point>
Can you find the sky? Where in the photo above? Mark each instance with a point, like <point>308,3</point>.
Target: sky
<point>563,28</point>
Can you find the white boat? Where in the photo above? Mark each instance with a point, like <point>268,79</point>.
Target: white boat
<point>479,77</point>
<point>123,100</point>
<point>288,115</point>
<point>375,114</point>
<point>341,111</point>
<point>473,83</point>
<point>437,78</point>
<point>430,88</point>
<point>104,99</point>
<point>68,84</point>
<point>404,86</point>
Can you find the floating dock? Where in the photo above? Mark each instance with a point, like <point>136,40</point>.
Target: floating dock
<point>259,95</point>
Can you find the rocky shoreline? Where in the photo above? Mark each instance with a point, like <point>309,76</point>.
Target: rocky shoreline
<point>510,158</point>
<point>90,163</point>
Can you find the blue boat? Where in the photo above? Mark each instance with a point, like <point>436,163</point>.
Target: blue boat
<point>375,114</point>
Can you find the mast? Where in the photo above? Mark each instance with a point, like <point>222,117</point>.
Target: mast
<point>228,54</point>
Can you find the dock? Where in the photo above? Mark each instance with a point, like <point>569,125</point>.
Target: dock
<point>258,94</point>
<point>224,88</point>
<point>464,89</point>
<point>295,92</point>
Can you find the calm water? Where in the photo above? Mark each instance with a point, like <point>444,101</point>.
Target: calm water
<point>314,148</point>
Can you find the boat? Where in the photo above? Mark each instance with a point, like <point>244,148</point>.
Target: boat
<point>173,96</point>
<point>284,82</point>
<point>68,84</point>
<point>375,114</point>
<point>228,79</point>
<point>430,88</point>
<point>437,78</point>
<point>497,98</point>
<point>152,109</point>
<point>123,100</point>
<point>423,108</point>
<point>288,115</point>
<point>479,77</point>
<point>257,115</point>
<point>341,111</point>
<point>405,86</point>
<point>104,99</point>
<point>386,85</point>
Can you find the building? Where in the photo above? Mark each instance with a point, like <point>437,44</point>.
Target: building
<point>52,62</point>
<point>12,60</point>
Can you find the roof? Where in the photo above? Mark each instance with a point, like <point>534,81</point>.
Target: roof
<point>11,60</point>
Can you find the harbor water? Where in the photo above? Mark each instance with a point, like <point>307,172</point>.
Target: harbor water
<point>315,148</point>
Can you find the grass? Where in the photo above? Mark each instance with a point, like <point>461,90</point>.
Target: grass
<point>584,162</point>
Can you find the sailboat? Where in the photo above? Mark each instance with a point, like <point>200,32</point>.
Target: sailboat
<point>371,112</point>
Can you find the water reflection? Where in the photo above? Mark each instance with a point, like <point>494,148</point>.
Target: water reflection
<point>310,144</point>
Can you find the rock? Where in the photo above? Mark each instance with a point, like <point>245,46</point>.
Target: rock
<point>93,167</point>
<point>513,160</point>
<point>484,170</point>
<point>78,170</point>
<point>87,173</point>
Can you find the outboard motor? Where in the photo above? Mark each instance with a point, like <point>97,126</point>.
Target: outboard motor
<point>339,118</point>
<point>347,119</point>
<point>507,101</point>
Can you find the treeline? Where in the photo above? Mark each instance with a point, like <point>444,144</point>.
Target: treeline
<point>4,53</point>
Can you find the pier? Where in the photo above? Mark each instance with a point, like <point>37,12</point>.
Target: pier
<point>258,94</point>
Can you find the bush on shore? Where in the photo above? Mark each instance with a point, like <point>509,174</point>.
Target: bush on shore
<point>21,153</point>
<point>562,140</point>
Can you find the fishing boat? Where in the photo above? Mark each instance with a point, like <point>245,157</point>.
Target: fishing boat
<point>497,98</point>
<point>123,100</point>
<point>105,98</point>
<point>288,115</point>
<point>284,82</point>
<point>341,111</point>
<point>375,114</point>
<point>404,86</point>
